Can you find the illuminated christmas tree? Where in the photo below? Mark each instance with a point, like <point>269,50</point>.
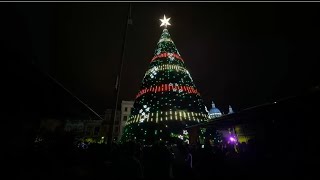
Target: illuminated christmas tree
<point>168,100</point>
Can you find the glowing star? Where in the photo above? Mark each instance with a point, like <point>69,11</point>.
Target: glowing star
<point>165,21</point>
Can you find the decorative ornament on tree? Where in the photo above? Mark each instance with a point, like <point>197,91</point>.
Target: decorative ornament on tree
<point>165,21</point>
<point>158,51</point>
<point>185,132</point>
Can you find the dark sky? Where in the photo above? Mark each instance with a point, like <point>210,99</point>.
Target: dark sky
<point>243,54</point>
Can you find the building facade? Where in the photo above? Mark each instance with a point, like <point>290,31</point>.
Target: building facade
<point>126,107</point>
<point>91,130</point>
<point>96,130</point>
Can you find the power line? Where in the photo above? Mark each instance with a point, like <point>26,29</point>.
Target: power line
<point>74,96</point>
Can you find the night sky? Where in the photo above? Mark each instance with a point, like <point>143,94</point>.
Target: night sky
<point>242,54</point>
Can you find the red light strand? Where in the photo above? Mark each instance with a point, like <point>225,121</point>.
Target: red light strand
<point>164,55</point>
<point>167,87</point>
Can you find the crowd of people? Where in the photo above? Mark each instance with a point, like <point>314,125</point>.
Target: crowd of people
<point>181,160</point>
<point>61,158</point>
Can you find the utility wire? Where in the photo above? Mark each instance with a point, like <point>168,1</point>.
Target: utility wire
<point>57,82</point>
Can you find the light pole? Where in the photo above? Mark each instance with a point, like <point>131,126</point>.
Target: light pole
<point>118,80</point>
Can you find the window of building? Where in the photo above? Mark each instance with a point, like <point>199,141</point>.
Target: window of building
<point>117,122</point>
<point>108,116</point>
<point>103,129</point>
<point>124,118</point>
<point>116,129</point>
<point>96,130</point>
<point>88,131</point>
<point>125,109</point>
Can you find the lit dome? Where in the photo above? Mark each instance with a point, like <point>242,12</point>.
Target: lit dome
<point>214,112</point>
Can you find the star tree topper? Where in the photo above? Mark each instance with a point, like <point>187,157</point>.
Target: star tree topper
<point>165,21</point>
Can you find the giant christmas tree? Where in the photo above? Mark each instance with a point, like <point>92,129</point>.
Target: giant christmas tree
<point>168,100</point>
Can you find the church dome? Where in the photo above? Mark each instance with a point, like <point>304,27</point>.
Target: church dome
<point>214,112</point>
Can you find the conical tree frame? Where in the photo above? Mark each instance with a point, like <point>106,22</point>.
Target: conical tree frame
<point>168,100</point>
